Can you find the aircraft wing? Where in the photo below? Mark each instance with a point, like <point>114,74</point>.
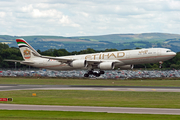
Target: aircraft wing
<point>66,59</point>
<point>60,59</point>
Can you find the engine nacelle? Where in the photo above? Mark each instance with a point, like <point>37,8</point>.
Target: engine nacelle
<point>126,67</point>
<point>106,66</point>
<point>79,64</point>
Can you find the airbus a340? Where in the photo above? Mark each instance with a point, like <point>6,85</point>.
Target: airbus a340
<point>101,61</point>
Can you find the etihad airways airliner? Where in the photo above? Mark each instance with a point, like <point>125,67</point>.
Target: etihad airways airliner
<point>101,61</point>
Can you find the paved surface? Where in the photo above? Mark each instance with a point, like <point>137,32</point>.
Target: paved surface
<point>91,109</point>
<point>7,87</point>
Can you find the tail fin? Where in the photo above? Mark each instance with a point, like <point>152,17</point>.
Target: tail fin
<point>27,51</point>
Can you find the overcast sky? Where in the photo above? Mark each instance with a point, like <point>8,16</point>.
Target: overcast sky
<point>88,17</point>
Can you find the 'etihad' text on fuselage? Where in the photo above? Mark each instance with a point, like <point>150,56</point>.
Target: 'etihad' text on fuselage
<point>105,56</point>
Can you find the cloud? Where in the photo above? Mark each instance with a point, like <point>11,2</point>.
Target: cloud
<point>2,14</point>
<point>173,4</point>
<point>36,13</point>
<point>88,17</point>
<point>40,12</point>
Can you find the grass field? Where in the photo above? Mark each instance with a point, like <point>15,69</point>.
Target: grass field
<point>58,115</point>
<point>89,98</point>
<point>95,98</point>
<point>115,82</point>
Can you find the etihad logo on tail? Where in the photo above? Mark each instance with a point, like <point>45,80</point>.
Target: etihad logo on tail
<point>27,54</point>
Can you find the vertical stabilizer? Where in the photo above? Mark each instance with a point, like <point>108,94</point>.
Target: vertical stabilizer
<point>26,50</point>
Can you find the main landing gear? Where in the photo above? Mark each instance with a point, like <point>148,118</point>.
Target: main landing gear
<point>91,72</point>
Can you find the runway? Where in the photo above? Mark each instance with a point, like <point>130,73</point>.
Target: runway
<point>11,87</point>
<point>91,109</point>
<point>8,87</point>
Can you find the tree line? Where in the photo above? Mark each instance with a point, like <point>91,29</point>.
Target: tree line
<point>13,53</point>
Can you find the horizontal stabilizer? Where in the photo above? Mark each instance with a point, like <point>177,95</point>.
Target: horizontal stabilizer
<point>13,60</point>
<point>20,61</point>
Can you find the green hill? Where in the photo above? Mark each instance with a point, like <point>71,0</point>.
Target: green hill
<point>116,38</point>
<point>101,42</point>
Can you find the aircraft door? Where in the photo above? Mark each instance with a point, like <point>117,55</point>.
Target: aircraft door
<point>127,54</point>
<point>158,52</point>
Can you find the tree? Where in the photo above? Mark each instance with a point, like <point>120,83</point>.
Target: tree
<point>3,46</point>
<point>14,53</point>
<point>110,50</point>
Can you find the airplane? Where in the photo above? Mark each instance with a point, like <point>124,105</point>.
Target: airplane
<point>91,62</point>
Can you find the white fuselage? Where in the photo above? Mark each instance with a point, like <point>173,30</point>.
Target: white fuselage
<point>128,57</point>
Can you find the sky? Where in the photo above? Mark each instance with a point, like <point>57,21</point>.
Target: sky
<point>88,17</point>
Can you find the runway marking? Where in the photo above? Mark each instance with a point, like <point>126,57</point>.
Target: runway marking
<point>153,89</point>
<point>131,89</point>
<point>109,89</point>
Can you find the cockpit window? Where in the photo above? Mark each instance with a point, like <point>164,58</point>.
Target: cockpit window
<point>168,51</point>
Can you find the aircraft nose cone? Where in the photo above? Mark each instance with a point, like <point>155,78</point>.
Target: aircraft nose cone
<point>174,53</point>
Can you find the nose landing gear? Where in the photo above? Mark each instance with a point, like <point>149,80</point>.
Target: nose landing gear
<point>160,64</point>
<point>91,72</point>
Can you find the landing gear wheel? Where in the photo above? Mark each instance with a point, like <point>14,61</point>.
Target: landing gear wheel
<point>90,72</point>
<point>98,74</point>
<point>101,72</point>
<point>95,73</point>
<point>86,75</point>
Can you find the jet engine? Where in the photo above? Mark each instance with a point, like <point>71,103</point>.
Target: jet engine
<point>78,64</point>
<point>126,67</point>
<point>106,66</point>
